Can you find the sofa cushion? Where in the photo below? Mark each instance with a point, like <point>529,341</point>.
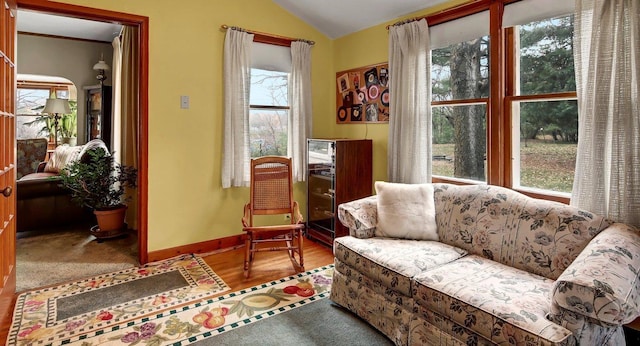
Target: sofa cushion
<point>406,211</point>
<point>502,304</point>
<point>392,261</point>
<point>538,236</point>
<point>63,155</point>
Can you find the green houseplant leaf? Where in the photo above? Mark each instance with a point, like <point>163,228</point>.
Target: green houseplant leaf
<point>97,181</point>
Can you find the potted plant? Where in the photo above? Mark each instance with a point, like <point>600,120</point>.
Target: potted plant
<point>100,183</point>
<point>69,125</point>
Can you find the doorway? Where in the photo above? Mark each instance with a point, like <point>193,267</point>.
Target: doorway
<point>142,24</point>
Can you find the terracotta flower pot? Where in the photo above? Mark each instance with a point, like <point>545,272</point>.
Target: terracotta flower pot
<point>111,219</point>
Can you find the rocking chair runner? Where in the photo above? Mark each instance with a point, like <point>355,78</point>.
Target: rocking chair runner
<point>272,194</point>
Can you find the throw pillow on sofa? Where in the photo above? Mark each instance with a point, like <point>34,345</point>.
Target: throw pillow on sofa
<point>61,157</point>
<point>406,211</point>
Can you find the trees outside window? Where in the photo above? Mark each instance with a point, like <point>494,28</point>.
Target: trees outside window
<point>31,97</point>
<point>269,112</point>
<point>544,106</point>
<point>460,91</point>
<point>538,122</point>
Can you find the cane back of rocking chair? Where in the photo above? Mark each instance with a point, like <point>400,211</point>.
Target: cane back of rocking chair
<point>271,186</point>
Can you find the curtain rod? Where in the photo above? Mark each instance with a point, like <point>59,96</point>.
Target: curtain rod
<point>268,37</point>
<point>405,21</point>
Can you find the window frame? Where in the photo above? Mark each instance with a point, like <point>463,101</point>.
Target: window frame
<point>52,87</point>
<point>258,38</point>
<point>502,64</point>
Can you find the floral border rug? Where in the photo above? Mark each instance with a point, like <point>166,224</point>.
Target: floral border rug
<point>35,317</point>
<point>203,319</point>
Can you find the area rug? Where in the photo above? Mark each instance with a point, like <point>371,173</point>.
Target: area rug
<point>200,320</point>
<point>318,323</point>
<point>52,315</point>
<point>48,258</point>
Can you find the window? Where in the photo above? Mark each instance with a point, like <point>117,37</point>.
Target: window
<point>268,112</point>
<point>504,102</point>
<point>544,108</point>
<point>269,99</point>
<point>32,94</point>
<point>460,92</point>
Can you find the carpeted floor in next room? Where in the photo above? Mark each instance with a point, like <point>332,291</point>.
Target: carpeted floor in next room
<point>49,257</point>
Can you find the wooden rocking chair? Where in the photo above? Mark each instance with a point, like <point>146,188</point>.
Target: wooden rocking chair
<point>272,194</point>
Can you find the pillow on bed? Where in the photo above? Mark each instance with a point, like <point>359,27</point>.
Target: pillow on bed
<point>406,211</point>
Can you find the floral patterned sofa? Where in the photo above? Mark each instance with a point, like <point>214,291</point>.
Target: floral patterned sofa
<point>506,269</point>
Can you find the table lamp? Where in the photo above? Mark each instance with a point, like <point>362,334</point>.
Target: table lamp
<point>56,107</point>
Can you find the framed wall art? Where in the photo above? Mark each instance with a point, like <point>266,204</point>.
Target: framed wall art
<point>362,95</point>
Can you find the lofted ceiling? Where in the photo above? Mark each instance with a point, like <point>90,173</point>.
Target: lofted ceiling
<point>333,18</point>
<point>337,18</point>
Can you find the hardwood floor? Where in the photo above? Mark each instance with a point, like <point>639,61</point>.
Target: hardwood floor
<point>267,266</point>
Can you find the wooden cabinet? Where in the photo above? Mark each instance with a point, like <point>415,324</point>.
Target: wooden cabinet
<point>339,171</point>
<point>98,119</point>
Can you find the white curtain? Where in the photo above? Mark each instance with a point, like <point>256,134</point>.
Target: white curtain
<point>300,107</point>
<point>607,62</point>
<point>116,118</point>
<point>409,148</point>
<point>236,154</point>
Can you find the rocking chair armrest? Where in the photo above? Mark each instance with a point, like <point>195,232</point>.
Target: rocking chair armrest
<point>296,217</point>
<point>247,215</point>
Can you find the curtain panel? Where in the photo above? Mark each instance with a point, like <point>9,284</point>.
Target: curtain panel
<point>409,148</point>
<point>116,92</point>
<point>300,107</point>
<point>236,154</point>
<point>607,62</point>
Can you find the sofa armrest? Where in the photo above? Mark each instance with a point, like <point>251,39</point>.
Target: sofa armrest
<point>360,216</point>
<point>603,282</point>
<point>41,167</point>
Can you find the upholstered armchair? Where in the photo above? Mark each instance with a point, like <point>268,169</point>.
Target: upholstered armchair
<point>30,153</point>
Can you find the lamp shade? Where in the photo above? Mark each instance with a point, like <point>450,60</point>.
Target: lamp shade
<point>101,65</point>
<point>57,106</point>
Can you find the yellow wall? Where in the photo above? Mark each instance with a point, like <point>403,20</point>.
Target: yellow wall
<point>186,201</point>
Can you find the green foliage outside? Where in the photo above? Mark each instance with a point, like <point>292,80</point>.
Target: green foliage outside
<point>545,163</point>
<point>548,129</point>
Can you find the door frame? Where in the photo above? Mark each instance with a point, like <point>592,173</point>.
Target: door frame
<point>142,23</point>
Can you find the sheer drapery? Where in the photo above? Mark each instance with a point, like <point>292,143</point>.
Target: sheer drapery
<point>607,61</point>
<point>237,84</point>
<point>409,149</point>
<point>300,107</point>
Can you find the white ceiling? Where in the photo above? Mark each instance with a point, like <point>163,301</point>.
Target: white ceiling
<point>333,18</point>
<point>46,24</point>
<point>337,18</point>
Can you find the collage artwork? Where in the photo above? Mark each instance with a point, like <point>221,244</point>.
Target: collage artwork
<point>363,95</point>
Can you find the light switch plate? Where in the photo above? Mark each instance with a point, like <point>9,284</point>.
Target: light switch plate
<point>184,102</point>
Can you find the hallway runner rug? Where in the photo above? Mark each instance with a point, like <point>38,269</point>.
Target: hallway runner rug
<point>200,320</point>
<point>49,315</point>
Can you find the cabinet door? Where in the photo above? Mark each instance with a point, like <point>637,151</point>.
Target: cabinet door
<point>321,185</point>
<point>94,114</point>
<point>99,114</point>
